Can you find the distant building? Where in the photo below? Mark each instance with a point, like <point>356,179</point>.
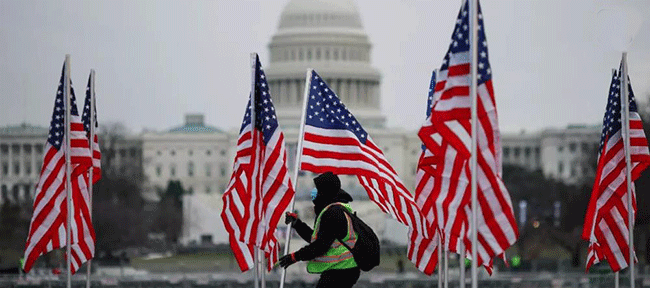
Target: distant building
<point>562,154</point>
<point>200,157</point>
<point>21,158</point>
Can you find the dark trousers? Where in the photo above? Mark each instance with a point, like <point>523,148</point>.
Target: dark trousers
<point>339,278</point>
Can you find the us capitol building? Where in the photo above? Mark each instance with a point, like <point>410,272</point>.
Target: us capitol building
<point>326,35</point>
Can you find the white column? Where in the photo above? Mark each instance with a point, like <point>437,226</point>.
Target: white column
<point>282,90</point>
<point>291,93</point>
<point>364,93</point>
<point>354,91</point>
<point>344,89</point>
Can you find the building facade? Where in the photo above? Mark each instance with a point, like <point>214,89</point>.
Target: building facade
<point>566,154</point>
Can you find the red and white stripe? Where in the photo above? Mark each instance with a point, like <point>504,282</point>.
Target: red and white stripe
<point>606,219</point>
<point>251,217</point>
<point>450,119</point>
<point>341,152</point>
<point>48,225</point>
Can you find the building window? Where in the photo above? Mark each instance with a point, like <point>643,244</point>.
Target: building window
<point>222,169</point>
<point>123,153</point>
<point>190,169</point>
<point>208,152</point>
<point>301,54</point>
<point>585,147</point>
<point>572,147</point>
<point>4,149</point>
<point>16,168</point>
<point>159,152</point>
<point>39,164</point>
<point>207,189</point>
<point>560,168</point>
<point>223,152</point>
<point>527,152</point>
<point>16,192</point>
<point>344,54</point>
<point>190,152</point>
<point>317,53</point>
<point>5,193</point>
<point>308,54</point>
<point>506,152</point>
<point>26,192</point>
<point>172,152</point>
<point>335,54</point>
<point>39,149</point>
<point>560,148</point>
<point>517,150</point>
<point>208,170</point>
<point>133,152</point>
<point>5,168</point>
<point>172,170</point>
<point>28,168</point>
<point>573,170</point>
<point>28,149</point>
<point>15,149</point>
<point>158,170</point>
<point>327,54</point>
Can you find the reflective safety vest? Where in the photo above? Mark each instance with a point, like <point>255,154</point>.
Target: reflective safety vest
<point>338,256</point>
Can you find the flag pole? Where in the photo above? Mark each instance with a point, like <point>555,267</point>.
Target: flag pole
<point>92,167</point>
<point>254,178</point>
<point>446,268</point>
<point>301,137</point>
<point>68,168</point>
<point>461,264</point>
<point>628,169</point>
<point>440,272</point>
<point>262,268</point>
<point>473,24</point>
<point>616,274</point>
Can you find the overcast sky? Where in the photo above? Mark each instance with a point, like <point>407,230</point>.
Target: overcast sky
<point>158,60</point>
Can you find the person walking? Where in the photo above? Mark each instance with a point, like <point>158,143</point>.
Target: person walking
<point>326,254</point>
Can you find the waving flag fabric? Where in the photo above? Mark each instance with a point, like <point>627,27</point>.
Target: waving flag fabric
<point>85,118</point>
<point>447,132</point>
<point>251,216</point>
<point>47,230</point>
<point>335,141</point>
<point>83,249</point>
<point>421,251</point>
<point>607,214</point>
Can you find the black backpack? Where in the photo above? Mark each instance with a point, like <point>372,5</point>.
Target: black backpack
<point>366,250</point>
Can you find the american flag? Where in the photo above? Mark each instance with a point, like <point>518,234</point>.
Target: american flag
<point>421,251</point>
<point>85,118</point>
<point>607,215</point>
<point>83,249</point>
<point>251,217</point>
<point>447,133</point>
<point>335,141</point>
<point>48,225</point>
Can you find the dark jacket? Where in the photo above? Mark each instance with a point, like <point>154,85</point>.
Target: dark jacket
<point>333,224</point>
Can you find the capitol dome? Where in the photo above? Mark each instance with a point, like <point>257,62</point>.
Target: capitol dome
<point>326,35</point>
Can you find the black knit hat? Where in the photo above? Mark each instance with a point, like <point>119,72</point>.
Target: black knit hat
<point>329,191</point>
<point>328,184</point>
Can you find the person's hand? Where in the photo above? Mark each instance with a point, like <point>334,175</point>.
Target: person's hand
<point>290,218</point>
<point>287,260</point>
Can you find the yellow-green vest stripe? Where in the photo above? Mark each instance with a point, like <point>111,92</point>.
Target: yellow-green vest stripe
<point>338,256</point>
